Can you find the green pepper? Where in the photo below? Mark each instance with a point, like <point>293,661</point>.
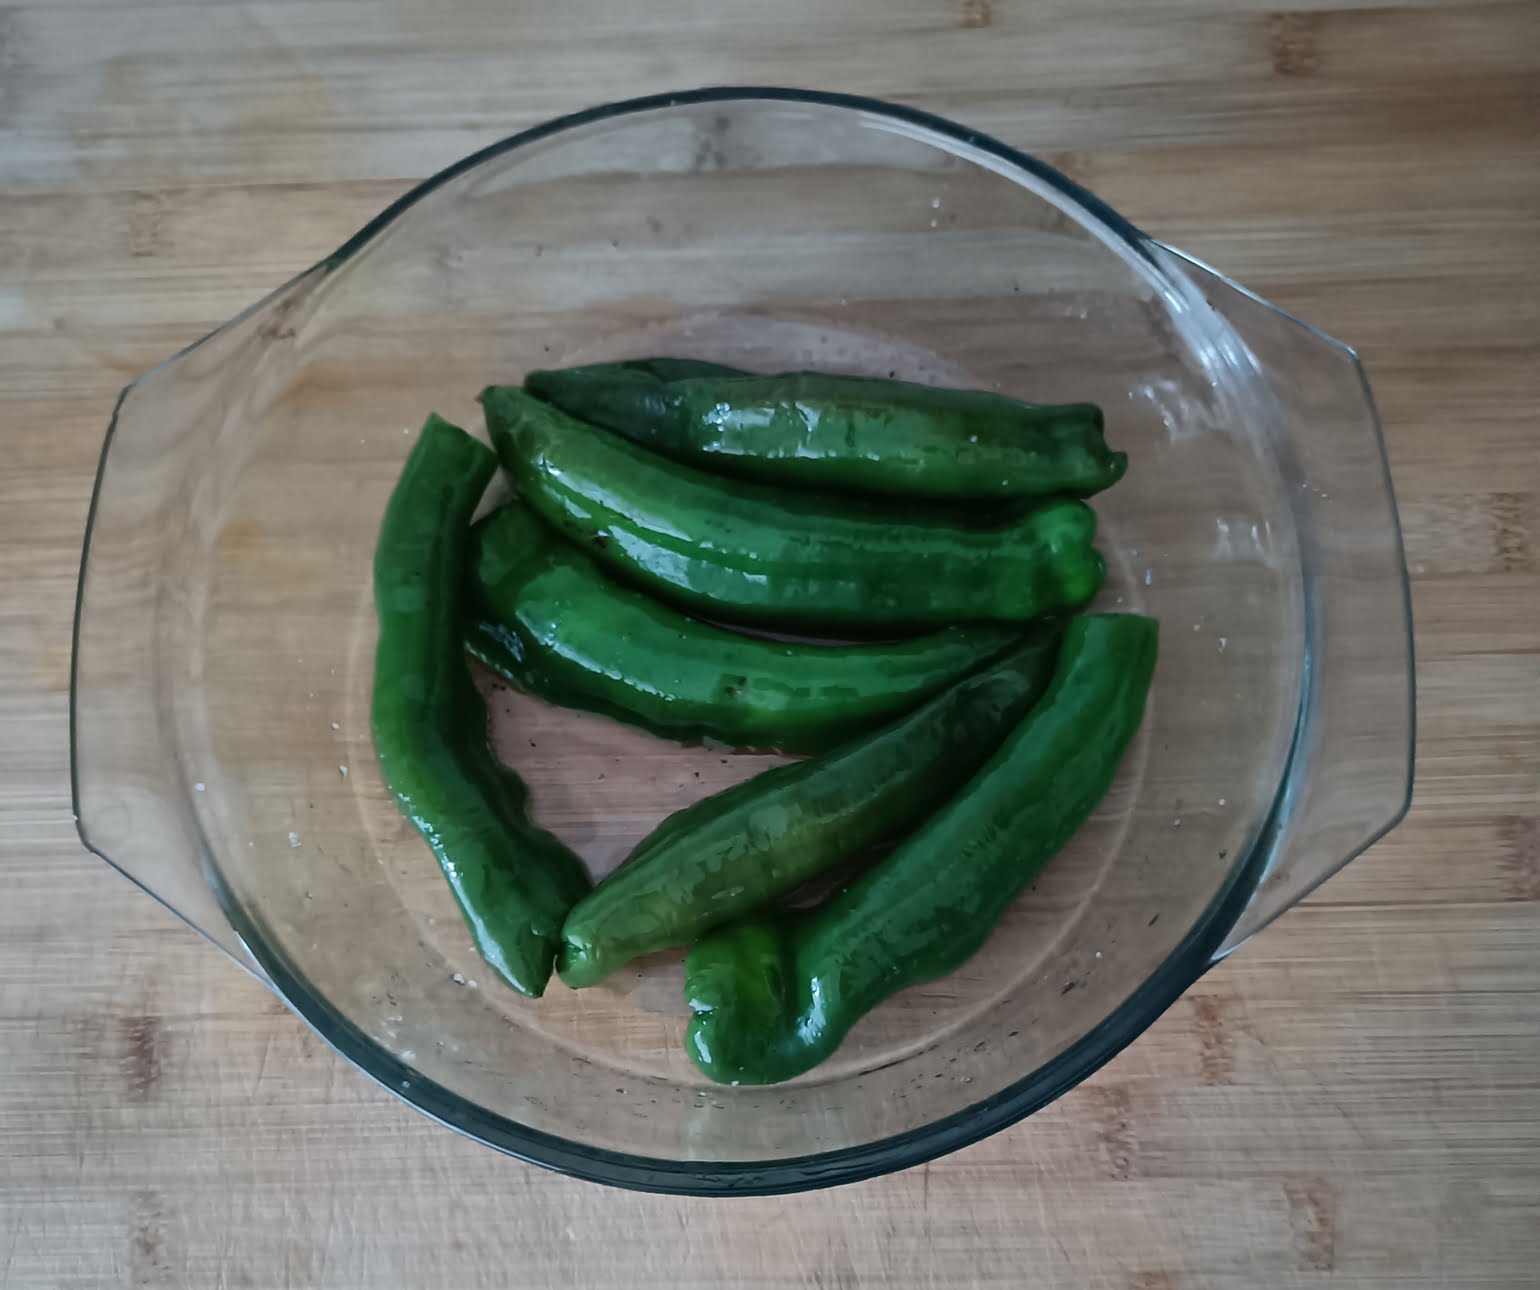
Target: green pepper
<point>550,621</point>
<point>755,553</point>
<point>514,882</point>
<point>854,433</point>
<point>773,997</point>
<point>730,854</point>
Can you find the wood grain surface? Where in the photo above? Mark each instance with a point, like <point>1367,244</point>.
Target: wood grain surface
<point>1353,1100</point>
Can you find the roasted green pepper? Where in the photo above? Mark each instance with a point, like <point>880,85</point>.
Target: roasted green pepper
<point>845,432</point>
<point>730,854</point>
<point>513,881</point>
<point>550,621</point>
<point>760,554</point>
<point>773,997</point>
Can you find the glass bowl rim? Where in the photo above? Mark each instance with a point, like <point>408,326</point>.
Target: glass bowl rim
<point>1191,957</point>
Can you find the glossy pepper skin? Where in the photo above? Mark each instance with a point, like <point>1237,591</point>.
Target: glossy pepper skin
<point>513,881</point>
<point>623,395</point>
<point>853,433</point>
<point>730,854</point>
<point>758,554</point>
<point>547,618</point>
<point>773,997</point>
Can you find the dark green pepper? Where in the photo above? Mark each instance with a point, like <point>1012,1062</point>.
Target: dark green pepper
<point>550,621</point>
<point>774,997</point>
<point>755,553</point>
<point>513,881</point>
<point>863,434</point>
<point>730,854</point>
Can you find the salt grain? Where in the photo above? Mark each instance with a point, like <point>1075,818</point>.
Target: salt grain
<point>199,787</point>
<point>293,839</point>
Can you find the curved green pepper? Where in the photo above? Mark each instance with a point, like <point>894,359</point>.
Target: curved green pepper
<point>513,881</point>
<point>759,554</point>
<point>774,997</point>
<point>858,433</point>
<point>730,854</point>
<point>553,624</point>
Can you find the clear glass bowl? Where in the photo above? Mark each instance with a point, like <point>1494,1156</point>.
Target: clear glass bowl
<point>225,629</point>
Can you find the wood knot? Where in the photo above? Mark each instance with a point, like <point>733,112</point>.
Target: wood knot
<point>1520,858</point>
<point>1313,1220</point>
<point>1216,1046</point>
<point>1112,1110</point>
<point>1293,41</point>
<point>976,13</point>
<point>1512,544</point>
<point>140,1038</point>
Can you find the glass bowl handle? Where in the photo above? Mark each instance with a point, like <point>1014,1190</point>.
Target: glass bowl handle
<point>1350,770</point>
<point>147,790</point>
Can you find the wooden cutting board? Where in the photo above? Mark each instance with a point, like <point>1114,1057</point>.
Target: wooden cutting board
<point>1350,1101</point>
